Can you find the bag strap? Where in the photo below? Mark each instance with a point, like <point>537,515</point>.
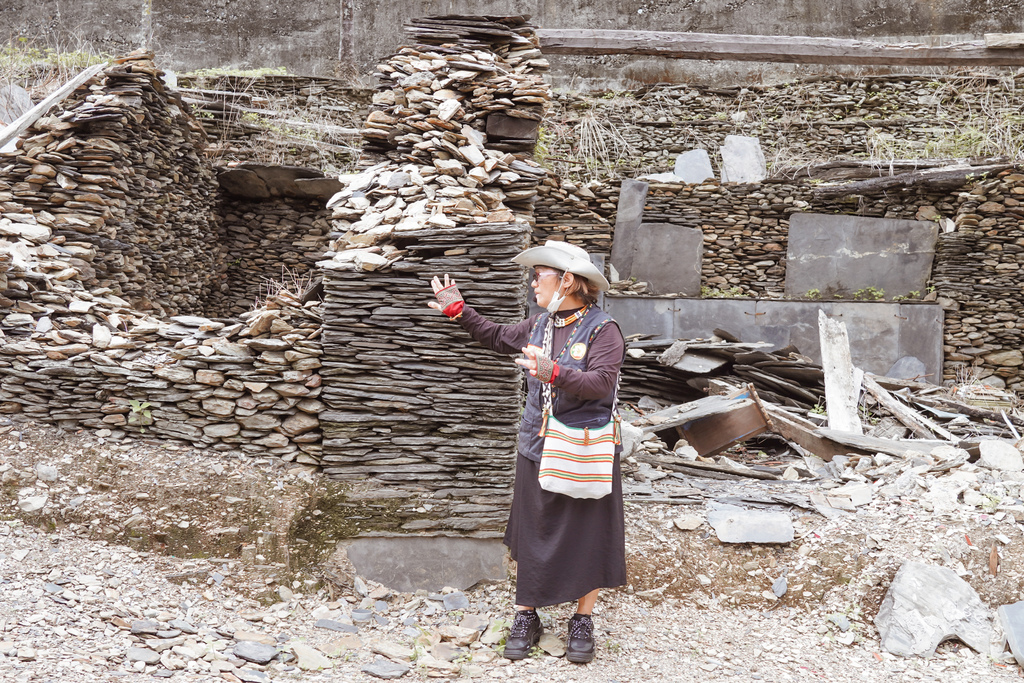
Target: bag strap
<point>545,388</point>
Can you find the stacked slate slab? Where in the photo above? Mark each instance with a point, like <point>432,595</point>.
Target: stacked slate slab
<point>113,180</point>
<point>416,409</point>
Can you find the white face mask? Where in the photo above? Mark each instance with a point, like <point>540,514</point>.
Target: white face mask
<point>556,299</point>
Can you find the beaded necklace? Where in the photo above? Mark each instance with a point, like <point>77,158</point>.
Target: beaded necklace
<point>569,320</point>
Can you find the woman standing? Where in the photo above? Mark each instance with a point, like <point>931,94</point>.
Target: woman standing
<point>565,548</point>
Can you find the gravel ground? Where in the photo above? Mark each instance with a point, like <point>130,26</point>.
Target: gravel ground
<point>79,605</point>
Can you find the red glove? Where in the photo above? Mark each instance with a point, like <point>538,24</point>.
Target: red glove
<point>451,301</point>
<point>547,369</point>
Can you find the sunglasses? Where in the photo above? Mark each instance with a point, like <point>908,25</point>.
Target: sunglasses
<point>539,273</point>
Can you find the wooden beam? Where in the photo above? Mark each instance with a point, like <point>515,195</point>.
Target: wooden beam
<point>21,124</point>
<point>802,433</point>
<point>791,49</point>
<point>938,179</point>
<point>842,379</point>
<point>921,426</point>
<point>1004,41</point>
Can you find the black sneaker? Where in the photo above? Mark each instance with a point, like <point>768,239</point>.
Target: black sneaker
<point>526,630</point>
<point>580,648</point>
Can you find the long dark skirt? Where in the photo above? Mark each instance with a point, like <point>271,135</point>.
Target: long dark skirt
<point>564,547</point>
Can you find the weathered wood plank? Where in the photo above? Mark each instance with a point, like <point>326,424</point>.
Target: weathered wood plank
<point>1004,41</point>
<point>842,380</point>
<point>802,433</point>
<point>921,426</point>
<point>946,178</point>
<point>790,49</point>
<point>20,124</point>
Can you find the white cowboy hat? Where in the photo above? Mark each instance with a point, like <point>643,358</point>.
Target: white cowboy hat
<point>565,257</point>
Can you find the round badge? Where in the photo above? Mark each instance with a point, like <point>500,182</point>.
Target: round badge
<point>578,350</point>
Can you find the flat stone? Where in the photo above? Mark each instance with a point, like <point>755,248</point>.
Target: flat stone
<point>456,600</point>
<point>250,676</point>
<point>332,625</point>
<point>143,654</point>
<point>222,429</point>
<point>257,653</point>
<point>310,659</point>
<point>926,605</point>
<point>668,257</point>
<point>694,166</point>
<point>628,216</point>
<point>1011,619</point>
<point>392,651</point>
<point>551,644</point>
<point>254,637</point>
<point>742,160</point>
<point>734,524</point>
<point>688,522</point>
<point>1000,455</point>
<point>385,668</point>
<point>300,423</point>
<point>145,627</point>
<point>340,646</point>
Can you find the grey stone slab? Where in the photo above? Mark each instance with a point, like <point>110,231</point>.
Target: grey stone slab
<point>1011,619</point>
<point>734,524</point>
<point>698,318</point>
<point>14,101</point>
<point>243,183</point>
<point>502,126</point>
<point>456,600</point>
<point>637,315</point>
<point>907,367</point>
<point>694,166</point>
<point>628,215</point>
<point>385,668</point>
<point>840,255</point>
<point>411,563</point>
<point>668,257</point>
<point>742,160</point>
<point>257,653</point>
<point>332,625</point>
<point>880,333</point>
<point>926,605</point>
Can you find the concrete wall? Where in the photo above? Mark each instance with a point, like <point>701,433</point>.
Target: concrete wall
<point>348,36</point>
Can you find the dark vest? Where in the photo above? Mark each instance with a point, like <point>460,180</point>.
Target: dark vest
<point>571,410</point>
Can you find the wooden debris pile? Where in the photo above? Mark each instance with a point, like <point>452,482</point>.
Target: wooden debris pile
<point>671,371</point>
<point>109,191</point>
<point>414,407</point>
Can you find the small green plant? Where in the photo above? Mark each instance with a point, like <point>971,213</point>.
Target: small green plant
<point>909,295</point>
<point>818,409</point>
<point>869,294</point>
<point>613,647</point>
<point>141,416</point>
<point>716,293</point>
<point>536,652</point>
<point>813,294</point>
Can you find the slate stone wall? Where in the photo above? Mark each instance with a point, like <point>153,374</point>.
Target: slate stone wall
<point>975,275</point>
<point>264,244</point>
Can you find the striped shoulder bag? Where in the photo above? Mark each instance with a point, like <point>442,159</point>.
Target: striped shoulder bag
<point>578,462</point>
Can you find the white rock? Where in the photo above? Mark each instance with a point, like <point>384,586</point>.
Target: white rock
<point>1000,455</point>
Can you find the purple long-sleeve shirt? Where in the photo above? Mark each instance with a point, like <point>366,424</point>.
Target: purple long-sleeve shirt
<point>604,355</point>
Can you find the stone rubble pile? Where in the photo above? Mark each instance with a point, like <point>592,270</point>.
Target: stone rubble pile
<point>452,126</point>
<point>109,191</point>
